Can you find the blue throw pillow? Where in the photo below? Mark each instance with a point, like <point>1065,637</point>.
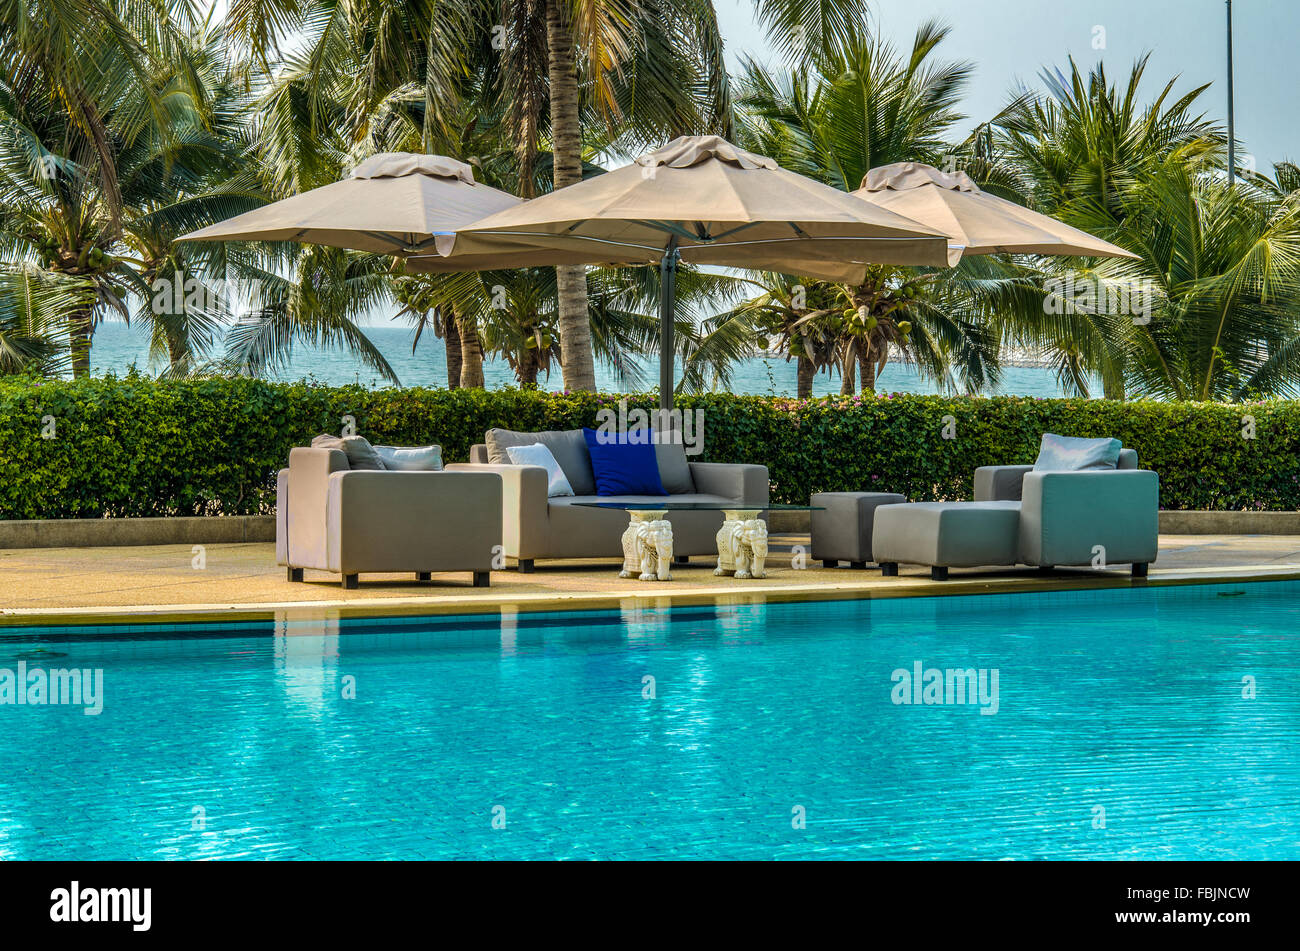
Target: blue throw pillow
<point>622,467</point>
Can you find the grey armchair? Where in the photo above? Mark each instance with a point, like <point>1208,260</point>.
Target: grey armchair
<point>333,518</point>
<point>1020,516</point>
<point>1108,516</point>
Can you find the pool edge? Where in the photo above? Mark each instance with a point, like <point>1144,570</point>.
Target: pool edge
<point>18,619</point>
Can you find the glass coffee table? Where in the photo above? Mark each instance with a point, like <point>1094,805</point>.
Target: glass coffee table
<point>648,541</point>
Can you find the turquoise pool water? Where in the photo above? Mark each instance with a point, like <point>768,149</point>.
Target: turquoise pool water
<point>243,744</point>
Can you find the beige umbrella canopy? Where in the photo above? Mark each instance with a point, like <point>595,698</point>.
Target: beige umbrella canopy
<point>392,203</point>
<point>975,221</point>
<point>712,202</point>
<point>703,200</point>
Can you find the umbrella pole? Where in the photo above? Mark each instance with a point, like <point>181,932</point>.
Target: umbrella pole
<point>667,312</point>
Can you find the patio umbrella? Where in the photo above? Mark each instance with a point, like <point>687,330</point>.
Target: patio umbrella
<point>975,221</point>
<point>703,200</point>
<point>392,203</point>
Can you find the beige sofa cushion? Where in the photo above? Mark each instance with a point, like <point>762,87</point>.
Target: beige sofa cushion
<point>567,446</point>
<point>361,455</point>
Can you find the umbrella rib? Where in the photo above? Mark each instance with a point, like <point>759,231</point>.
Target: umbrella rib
<point>575,237</point>
<point>836,239</point>
<point>747,224</point>
<point>378,236</point>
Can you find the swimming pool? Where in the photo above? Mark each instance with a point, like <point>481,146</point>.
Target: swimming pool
<point>1121,731</point>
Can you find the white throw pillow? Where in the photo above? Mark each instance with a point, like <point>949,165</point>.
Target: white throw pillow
<point>539,455</point>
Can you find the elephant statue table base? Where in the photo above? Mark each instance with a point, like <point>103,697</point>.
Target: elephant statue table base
<point>648,547</point>
<point>742,544</point>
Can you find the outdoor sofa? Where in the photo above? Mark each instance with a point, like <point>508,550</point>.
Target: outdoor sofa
<point>1039,515</point>
<point>536,525</point>
<point>333,516</point>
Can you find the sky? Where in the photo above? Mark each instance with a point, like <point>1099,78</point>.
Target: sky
<point>1011,41</point>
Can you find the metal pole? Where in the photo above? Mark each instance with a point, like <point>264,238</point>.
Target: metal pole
<point>1232,126</point>
<point>667,312</point>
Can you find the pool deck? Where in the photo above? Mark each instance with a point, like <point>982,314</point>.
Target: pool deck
<point>242,582</point>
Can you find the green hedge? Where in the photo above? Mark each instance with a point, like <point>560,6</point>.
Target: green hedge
<point>136,447</point>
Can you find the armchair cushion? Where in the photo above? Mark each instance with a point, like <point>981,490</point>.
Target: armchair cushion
<point>1071,454</point>
<point>410,458</point>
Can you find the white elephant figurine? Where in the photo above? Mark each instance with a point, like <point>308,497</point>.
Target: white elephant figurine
<point>742,548</point>
<point>648,550</point>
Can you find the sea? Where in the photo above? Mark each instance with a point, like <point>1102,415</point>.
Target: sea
<point>118,346</point>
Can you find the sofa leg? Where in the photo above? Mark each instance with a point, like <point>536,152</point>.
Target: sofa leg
<point>938,573</point>
<point>857,565</point>
<point>1139,569</point>
<point>525,565</point>
<point>349,581</point>
<point>482,579</point>
<point>424,576</point>
<point>295,574</point>
<point>889,569</point>
<point>830,563</point>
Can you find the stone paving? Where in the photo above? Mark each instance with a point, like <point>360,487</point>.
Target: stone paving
<point>144,580</point>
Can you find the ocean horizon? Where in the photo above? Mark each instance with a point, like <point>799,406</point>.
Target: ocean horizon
<point>117,347</point>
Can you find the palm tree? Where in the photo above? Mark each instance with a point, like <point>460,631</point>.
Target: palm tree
<point>1223,267</point>
<point>1078,152</point>
<point>109,228</point>
<point>800,321</point>
<point>650,69</point>
<point>34,308</point>
<point>1076,149</point>
<point>856,104</point>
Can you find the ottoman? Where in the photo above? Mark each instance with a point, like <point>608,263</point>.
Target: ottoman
<point>841,531</point>
<point>946,535</point>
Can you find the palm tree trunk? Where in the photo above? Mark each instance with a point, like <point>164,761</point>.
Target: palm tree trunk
<point>177,350</point>
<point>471,350</point>
<point>867,370</point>
<point>528,368</point>
<point>566,150</point>
<point>80,330</point>
<point>451,334</point>
<point>805,371</point>
<point>848,381</point>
